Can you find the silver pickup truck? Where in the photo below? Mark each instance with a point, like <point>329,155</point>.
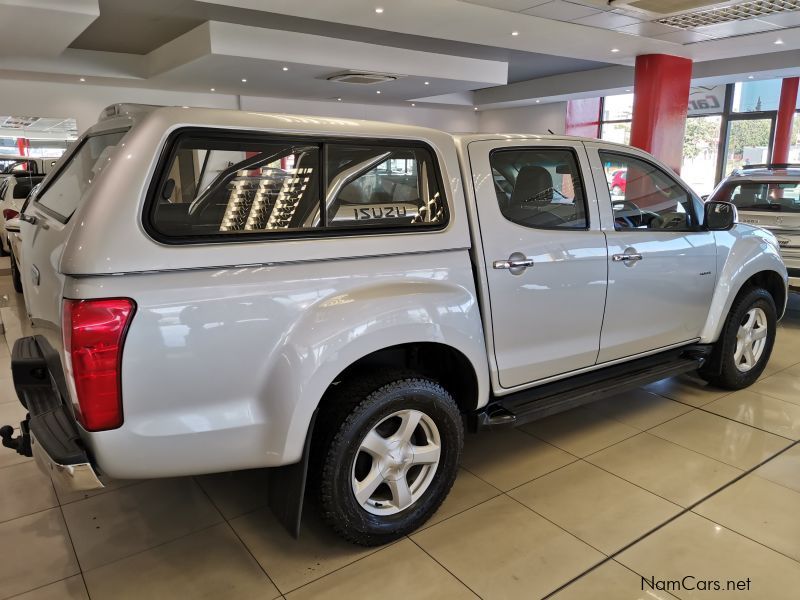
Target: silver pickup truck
<point>340,300</point>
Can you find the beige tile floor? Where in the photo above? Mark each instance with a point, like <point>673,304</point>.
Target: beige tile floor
<point>672,480</point>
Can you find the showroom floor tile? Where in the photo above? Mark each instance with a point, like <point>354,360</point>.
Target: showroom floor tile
<point>674,479</point>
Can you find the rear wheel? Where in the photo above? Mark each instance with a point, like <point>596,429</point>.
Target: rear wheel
<point>745,344</point>
<point>390,456</point>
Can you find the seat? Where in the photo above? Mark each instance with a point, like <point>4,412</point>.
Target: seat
<point>534,186</point>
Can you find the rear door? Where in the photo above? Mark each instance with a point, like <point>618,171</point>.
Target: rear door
<point>661,262</point>
<point>45,229</point>
<point>544,256</point>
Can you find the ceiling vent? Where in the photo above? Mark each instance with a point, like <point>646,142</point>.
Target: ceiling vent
<point>687,14</point>
<point>361,77</point>
<point>736,12</point>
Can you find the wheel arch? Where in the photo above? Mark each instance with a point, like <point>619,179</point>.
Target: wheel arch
<point>746,256</point>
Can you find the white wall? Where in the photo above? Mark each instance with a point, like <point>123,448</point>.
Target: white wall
<point>525,119</point>
<point>85,102</point>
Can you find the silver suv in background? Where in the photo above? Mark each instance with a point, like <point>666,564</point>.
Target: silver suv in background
<point>769,196</point>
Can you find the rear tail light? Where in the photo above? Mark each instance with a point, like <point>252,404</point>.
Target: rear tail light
<point>10,213</point>
<point>94,333</point>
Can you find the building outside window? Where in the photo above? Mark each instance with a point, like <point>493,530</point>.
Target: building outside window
<point>727,127</point>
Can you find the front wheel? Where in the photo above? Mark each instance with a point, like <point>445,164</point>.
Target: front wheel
<point>745,344</point>
<point>391,459</point>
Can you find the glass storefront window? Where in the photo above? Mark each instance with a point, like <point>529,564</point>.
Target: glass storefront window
<point>748,143</point>
<point>618,108</point>
<point>794,140</point>
<point>616,132</point>
<point>754,96</point>
<point>700,150</point>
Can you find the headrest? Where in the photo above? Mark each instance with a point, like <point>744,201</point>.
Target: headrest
<point>534,185</point>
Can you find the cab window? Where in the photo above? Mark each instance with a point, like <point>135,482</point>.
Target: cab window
<point>643,196</point>
<point>539,187</point>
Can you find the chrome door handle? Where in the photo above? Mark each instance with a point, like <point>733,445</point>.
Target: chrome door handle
<point>513,264</point>
<point>626,257</point>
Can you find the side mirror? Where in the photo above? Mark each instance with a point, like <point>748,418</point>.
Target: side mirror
<point>720,216</point>
<point>704,197</point>
<point>12,226</point>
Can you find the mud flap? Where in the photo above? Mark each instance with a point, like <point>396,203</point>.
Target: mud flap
<point>287,488</point>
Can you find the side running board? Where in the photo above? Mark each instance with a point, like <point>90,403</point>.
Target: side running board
<point>551,398</point>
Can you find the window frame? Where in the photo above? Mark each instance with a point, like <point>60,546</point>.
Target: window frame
<point>698,225</point>
<point>51,177</point>
<point>208,134</point>
<point>576,157</point>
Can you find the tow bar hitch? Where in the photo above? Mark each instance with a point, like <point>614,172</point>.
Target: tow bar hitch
<point>21,443</point>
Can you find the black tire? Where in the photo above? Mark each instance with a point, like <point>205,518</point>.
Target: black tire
<point>721,369</point>
<point>16,279</point>
<point>352,411</point>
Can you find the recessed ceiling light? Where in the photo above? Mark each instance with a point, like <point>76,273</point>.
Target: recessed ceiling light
<point>412,104</point>
<point>83,79</point>
<point>213,89</point>
<point>615,49</point>
<point>750,77</point>
<point>427,83</point>
<point>628,91</point>
<point>778,42</point>
<point>338,99</point>
<point>285,68</point>
<point>379,10</point>
<point>244,80</point>
<point>474,108</point>
<point>515,33</point>
<point>377,91</point>
<point>537,102</point>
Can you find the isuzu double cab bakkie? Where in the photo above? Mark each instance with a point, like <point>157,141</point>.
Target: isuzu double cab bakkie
<point>340,300</point>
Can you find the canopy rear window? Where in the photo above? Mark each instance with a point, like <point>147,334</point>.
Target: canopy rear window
<point>63,194</point>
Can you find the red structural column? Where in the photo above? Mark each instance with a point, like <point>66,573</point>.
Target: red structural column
<point>783,126</point>
<point>583,117</point>
<point>22,146</point>
<point>660,104</point>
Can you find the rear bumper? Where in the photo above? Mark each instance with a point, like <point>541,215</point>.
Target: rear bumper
<point>53,436</point>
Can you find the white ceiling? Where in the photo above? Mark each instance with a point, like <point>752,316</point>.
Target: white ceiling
<point>464,49</point>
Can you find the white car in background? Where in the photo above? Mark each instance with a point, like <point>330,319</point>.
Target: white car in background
<point>14,191</point>
<point>41,166</point>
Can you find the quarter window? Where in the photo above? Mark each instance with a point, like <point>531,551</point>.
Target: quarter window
<point>539,188</point>
<point>645,197</point>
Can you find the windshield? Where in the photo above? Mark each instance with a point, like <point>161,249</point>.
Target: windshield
<point>772,196</point>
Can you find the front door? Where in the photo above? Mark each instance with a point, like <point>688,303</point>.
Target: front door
<point>544,256</point>
<point>661,262</point>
